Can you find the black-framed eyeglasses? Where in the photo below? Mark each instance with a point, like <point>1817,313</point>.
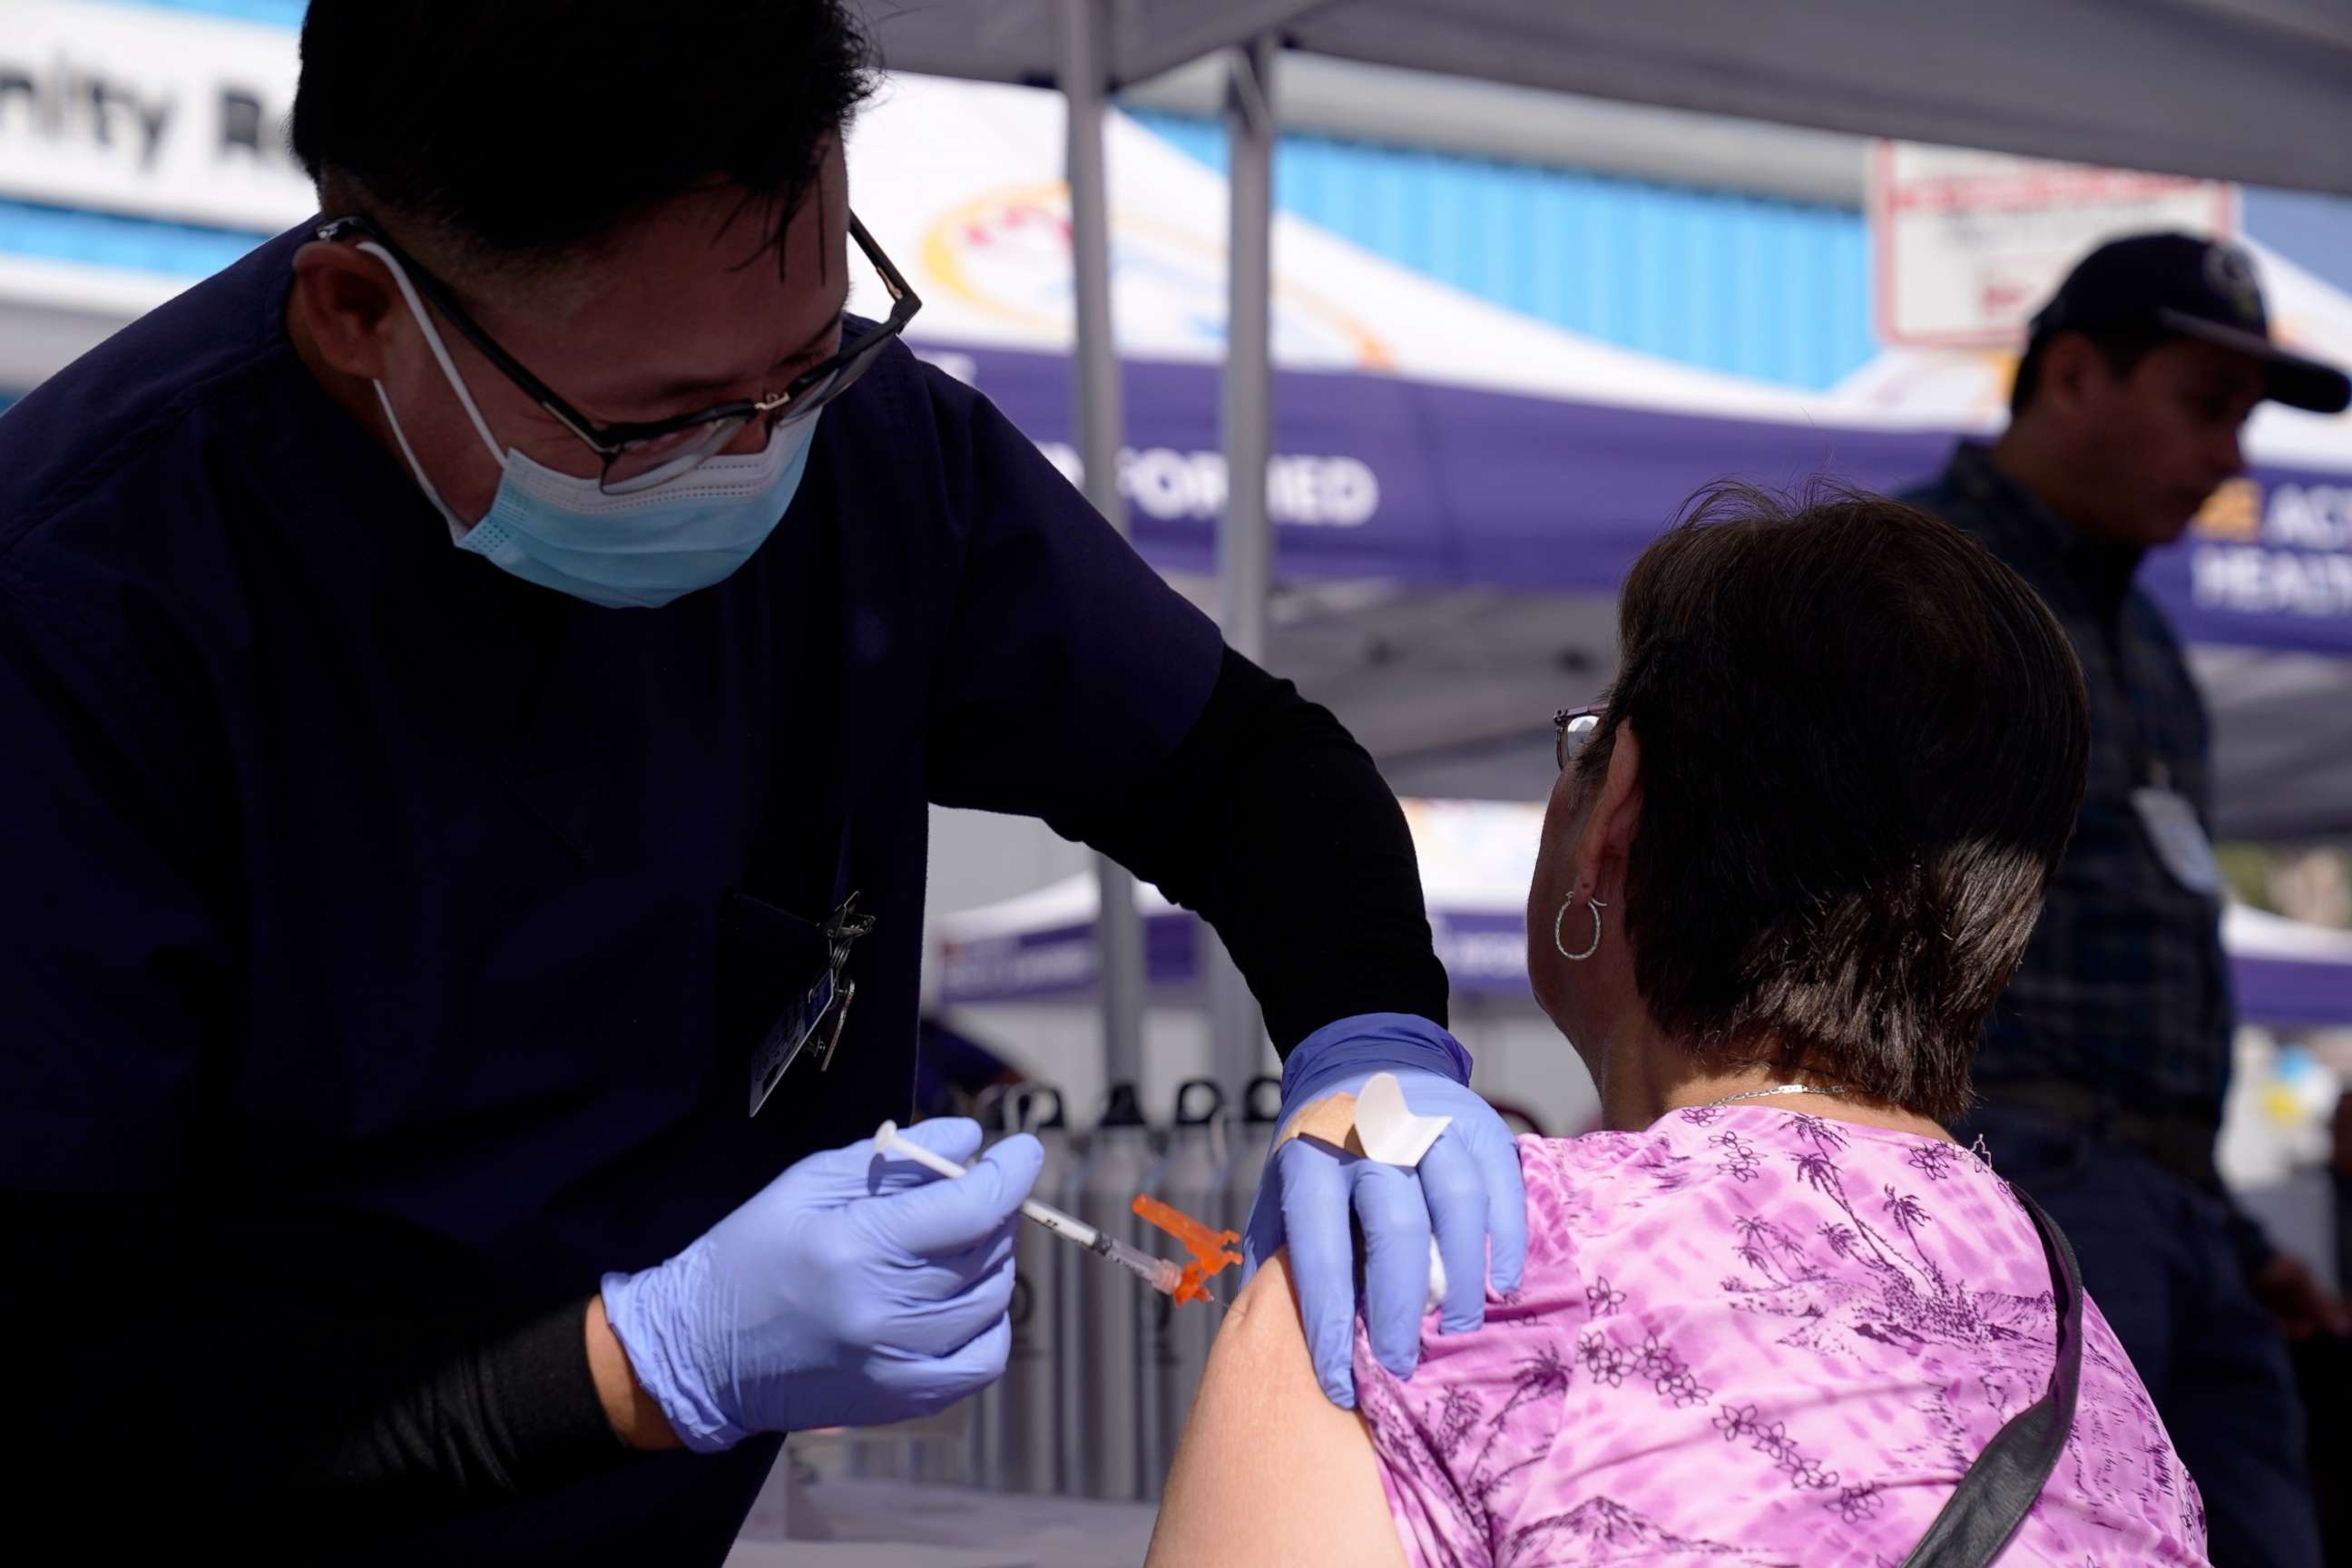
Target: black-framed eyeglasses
<point>1572,728</point>
<point>638,457</point>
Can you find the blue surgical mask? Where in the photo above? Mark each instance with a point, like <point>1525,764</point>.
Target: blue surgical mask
<point>643,549</point>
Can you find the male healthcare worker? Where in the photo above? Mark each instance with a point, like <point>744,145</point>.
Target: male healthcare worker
<point>471,676</point>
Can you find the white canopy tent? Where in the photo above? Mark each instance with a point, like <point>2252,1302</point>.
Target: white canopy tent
<point>2244,90</point>
<point>1453,525</point>
<point>2239,90</point>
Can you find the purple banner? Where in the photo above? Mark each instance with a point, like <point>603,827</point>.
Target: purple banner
<point>1384,477</point>
<point>2291,993</point>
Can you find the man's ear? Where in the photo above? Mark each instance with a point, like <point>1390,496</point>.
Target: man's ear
<point>2072,366</point>
<point>348,305</point>
<point>1609,831</point>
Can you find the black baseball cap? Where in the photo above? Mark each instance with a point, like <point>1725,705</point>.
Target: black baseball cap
<point>2200,289</point>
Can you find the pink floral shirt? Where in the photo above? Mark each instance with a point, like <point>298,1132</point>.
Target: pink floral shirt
<point>1748,1336</point>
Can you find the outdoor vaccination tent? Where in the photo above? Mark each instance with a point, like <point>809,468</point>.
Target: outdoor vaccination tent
<point>2205,86</point>
<point>1458,489</point>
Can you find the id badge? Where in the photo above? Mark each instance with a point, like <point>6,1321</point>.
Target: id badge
<point>2178,838</point>
<point>819,1013</point>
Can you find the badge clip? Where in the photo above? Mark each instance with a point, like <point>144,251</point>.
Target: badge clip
<point>826,1002</point>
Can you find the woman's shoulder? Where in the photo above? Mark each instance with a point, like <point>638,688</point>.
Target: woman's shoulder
<point>1711,1180</point>
<point>1746,1144</point>
<point>1812,1313</point>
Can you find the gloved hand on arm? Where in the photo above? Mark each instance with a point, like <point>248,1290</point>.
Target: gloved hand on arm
<point>853,1289</point>
<point>1466,1190</point>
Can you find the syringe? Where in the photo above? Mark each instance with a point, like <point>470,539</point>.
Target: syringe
<point>1157,1272</point>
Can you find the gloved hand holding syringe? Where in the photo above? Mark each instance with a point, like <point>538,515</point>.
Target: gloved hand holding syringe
<point>1182,1281</point>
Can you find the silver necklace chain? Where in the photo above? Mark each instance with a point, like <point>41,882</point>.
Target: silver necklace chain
<point>1776,1089</point>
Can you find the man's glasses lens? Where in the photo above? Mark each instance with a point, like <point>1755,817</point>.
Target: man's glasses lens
<point>1574,726</point>
<point>862,354</point>
<point>641,465</point>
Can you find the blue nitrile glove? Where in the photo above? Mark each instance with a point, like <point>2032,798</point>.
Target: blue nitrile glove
<point>854,1289</point>
<point>1466,1189</point>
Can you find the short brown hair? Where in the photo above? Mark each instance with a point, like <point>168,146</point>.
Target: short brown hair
<point>1862,747</point>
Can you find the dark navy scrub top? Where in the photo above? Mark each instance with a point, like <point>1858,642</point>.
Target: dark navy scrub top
<point>417,921</point>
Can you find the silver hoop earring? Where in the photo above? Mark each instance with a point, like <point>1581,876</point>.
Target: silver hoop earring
<point>1591,947</point>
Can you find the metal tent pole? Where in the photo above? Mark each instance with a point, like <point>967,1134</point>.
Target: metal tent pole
<point>1118,929</point>
<point>1245,533</point>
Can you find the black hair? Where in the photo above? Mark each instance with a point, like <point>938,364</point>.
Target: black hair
<point>1863,749</point>
<point>2123,344</point>
<point>516,130</point>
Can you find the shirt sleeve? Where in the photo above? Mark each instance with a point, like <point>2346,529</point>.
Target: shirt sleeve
<point>1078,687</point>
<point>113,965</point>
<point>2249,1239</point>
<point>1268,820</point>
<point>1460,1444</point>
<point>1068,669</point>
<point>177,1301</point>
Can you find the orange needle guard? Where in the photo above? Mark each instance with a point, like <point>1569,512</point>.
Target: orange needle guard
<point>1208,1248</point>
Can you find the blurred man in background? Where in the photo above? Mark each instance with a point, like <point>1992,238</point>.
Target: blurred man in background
<point>2103,1069</point>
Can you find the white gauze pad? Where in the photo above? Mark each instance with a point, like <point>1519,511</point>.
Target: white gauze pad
<point>1390,1132</point>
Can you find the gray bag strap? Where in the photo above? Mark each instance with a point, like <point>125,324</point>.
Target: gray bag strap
<point>1985,1509</point>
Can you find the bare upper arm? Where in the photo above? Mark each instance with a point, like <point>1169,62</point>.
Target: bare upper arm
<point>1269,1470</point>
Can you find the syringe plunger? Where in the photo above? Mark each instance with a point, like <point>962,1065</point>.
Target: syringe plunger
<point>1157,1272</point>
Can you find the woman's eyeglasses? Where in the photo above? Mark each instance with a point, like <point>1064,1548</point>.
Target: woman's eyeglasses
<point>1572,726</point>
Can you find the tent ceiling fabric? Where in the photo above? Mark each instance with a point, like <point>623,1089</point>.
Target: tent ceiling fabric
<point>2258,90</point>
<point>1020,40</point>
